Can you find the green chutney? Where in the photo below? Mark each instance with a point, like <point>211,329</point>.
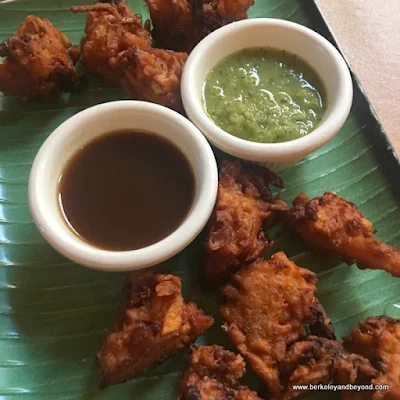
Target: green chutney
<point>264,95</point>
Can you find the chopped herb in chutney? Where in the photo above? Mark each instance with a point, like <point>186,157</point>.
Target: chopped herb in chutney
<point>264,95</point>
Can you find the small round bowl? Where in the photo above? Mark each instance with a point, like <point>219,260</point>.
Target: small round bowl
<point>100,120</point>
<point>308,45</point>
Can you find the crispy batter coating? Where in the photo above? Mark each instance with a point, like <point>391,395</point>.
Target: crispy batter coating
<point>154,75</point>
<point>181,24</point>
<point>378,339</point>
<point>334,227</point>
<point>37,61</point>
<point>318,360</point>
<point>245,208</point>
<point>217,363</point>
<point>214,374</point>
<point>322,325</point>
<point>173,24</point>
<point>154,323</point>
<point>266,306</point>
<point>110,29</point>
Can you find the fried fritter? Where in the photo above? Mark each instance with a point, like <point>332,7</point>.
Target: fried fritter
<point>318,360</point>
<point>110,29</point>
<point>154,323</point>
<point>154,75</point>
<point>245,208</point>
<point>334,227</point>
<point>181,24</point>
<point>173,24</point>
<point>378,339</point>
<point>266,306</point>
<point>37,61</point>
<point>210,15</point>
<point>214,374</point>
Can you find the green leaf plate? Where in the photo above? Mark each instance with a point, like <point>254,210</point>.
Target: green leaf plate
<point>54,314</point>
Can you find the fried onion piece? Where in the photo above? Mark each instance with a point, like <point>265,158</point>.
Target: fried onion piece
<point>245,208</point>
<point>266,306</point>
<point>39,61</point>
<point>180,24</point>
<point>110,29</point>
<point>318,360</point>
<point>378,339</point>
<point>333,227</point>
<point>154,323</point>
<point>214,374</point>
<point>154,75</point>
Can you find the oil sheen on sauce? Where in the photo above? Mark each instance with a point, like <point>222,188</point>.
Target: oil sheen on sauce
<point>126,190</point>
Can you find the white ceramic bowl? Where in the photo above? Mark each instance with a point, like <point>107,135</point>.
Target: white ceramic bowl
<point>321,55</point>
<point>102,119</point>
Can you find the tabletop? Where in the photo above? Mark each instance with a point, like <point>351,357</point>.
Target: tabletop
<point>369,34</point>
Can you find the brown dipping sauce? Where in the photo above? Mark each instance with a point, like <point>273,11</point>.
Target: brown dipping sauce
<point>126,190</point>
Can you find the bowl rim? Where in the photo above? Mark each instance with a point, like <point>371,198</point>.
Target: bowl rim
<point>87,255</point>
<point>255,151</point>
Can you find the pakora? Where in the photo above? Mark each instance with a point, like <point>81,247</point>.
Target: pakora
<point>110,29</point>
<point>154,323</point>
<point>378,339</point>
<point>266,306</point>
<point>154,75</point>
<point>318,360</point>
<point>245,208</point>
<point>181,24</point>
<point>39,61</point>
<point>173,24</point>
<point>334,227</point>
<point>214,374</point>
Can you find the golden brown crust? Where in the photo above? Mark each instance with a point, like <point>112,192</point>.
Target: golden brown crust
<point>245,208</point>
<point>214,374</point>
<point>37,61</point>
<point>110,29</point>
<point>217,363</point>
<point>318,360</point>
<point>266,306</point>
<point>334,227</point>
<point>378,339</point>
<point>173,26</point>
<point>154,75</point>
<point>181,24</point>
<point>154,323</point>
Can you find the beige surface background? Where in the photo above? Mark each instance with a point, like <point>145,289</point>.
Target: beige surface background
<point>369,33</point>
